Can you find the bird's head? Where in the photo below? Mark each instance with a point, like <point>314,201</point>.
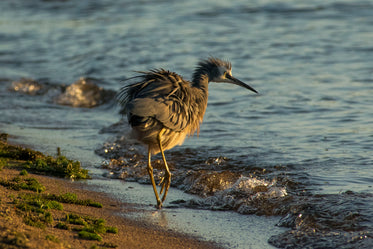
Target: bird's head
<point>220,71</point>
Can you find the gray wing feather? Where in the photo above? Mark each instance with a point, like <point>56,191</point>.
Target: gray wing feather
<point>169,113</point>
<point>162,96</point>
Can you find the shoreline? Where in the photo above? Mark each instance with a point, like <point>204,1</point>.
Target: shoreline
<point>131,233</point>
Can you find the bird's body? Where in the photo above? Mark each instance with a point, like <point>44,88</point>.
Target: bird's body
<point>163,108</point>
<point>163,100</point>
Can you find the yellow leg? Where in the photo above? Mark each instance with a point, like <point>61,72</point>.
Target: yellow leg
<point>166,181</point>
<point>150,171</point>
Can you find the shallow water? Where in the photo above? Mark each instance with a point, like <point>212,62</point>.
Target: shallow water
<point>301,149</point>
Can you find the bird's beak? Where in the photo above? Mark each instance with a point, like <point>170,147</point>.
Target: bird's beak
<point>239,83</point>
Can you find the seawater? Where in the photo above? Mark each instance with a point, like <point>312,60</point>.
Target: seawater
<point>300,150</point>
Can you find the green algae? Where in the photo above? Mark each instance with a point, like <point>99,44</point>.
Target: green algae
<point>18,183</point>
<point>59,166</point>
<point>36,208</point>
<point>12,156</point>
<point>89,236</point>
<point>72,198</point>
<point>88,227</point>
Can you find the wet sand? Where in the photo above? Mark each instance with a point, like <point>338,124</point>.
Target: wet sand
<point>14,233</point>
<point>131,234</point>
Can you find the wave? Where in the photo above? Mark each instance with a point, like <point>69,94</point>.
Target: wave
<point>224,184</point>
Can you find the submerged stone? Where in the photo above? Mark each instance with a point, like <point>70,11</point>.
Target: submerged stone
<point>84,93</point>
<point>27,86</point>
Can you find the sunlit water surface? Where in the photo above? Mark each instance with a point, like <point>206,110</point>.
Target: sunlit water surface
<point>300,150</point>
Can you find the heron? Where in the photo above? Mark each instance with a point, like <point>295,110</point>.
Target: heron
<point>163,109</point>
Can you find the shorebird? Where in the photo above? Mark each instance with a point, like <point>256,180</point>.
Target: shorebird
<point>163,108</point>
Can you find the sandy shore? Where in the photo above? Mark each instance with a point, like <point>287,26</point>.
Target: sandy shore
<point>14,233</point>
<point>131,234</point>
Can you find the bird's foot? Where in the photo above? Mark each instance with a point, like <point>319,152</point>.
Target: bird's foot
<point>165,183</point>
<point>159,204</point>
